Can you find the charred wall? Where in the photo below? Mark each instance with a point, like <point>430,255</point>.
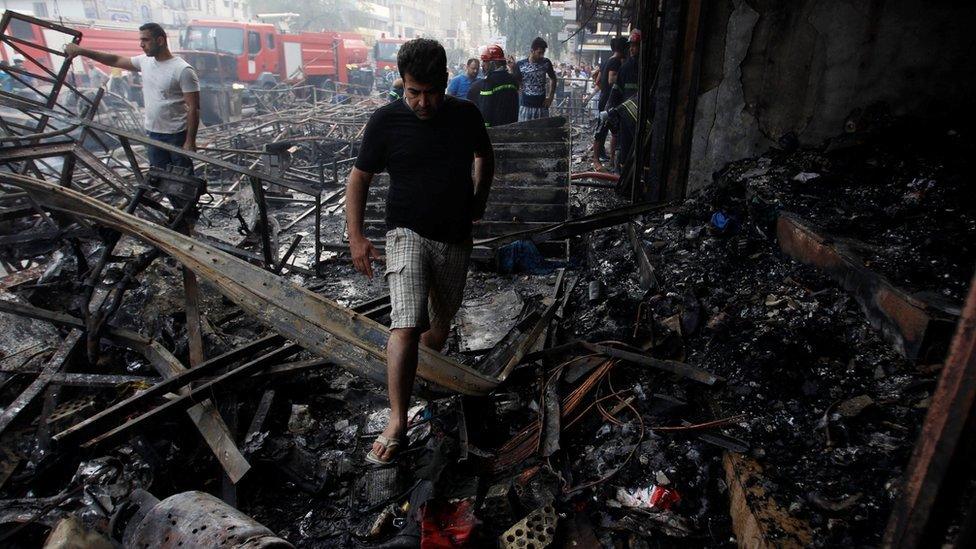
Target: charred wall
<point>774,68</point>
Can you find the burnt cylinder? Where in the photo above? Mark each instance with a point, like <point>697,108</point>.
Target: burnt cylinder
<point>196,519</point>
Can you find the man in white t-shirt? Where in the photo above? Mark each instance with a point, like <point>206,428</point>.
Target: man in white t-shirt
<point>171,92</point>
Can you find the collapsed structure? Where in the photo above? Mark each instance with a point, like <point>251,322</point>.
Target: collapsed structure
<point>753,365</point>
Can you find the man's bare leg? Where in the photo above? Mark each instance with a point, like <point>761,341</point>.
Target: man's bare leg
<point>435,337</point>
<point>401,367</point>
<point>597,165</point>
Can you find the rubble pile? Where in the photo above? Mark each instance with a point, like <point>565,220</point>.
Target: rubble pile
<point>684,378</point>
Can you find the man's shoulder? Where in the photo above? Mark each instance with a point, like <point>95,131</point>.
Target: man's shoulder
<point>183,62</point>
<point>460,105</point>
<point>387,110</point>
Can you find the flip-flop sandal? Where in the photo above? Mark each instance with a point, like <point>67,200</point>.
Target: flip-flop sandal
<point>390,444</point>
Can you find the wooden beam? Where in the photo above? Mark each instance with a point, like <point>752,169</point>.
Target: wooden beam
<point>952,407</point>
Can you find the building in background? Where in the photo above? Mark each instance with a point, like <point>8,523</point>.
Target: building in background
<point>171,13</point>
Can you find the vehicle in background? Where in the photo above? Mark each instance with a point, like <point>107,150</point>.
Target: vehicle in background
<point>264,56</point>
<point>385,54</point>
<point>38,40</point>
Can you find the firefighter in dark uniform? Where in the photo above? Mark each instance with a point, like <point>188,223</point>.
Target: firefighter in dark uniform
<point>497,94</point>
<point>624,90</point>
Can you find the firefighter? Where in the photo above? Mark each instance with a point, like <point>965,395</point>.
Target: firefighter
<point>497,94</point>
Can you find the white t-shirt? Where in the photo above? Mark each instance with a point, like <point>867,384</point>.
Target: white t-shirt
<point>163,86</point>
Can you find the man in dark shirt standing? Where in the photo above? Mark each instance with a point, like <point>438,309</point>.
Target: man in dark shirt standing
<point>427,142</point>
<point>497,94</point>
<point>624,89</point>
<point>531,74</point>
<point>608,77</point>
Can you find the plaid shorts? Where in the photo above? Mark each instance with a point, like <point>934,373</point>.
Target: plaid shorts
<point>531,113</point>
<point>426,279</point>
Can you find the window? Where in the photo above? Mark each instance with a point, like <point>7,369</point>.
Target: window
<point>40,9</point>
<point>253,43</point>
<point>270,41</point>
<point>18,28</point>
<point>225,39</point>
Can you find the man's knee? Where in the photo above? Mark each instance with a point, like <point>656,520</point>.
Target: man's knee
<point>405,334</point>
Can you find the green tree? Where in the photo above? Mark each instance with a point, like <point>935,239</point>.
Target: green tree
<point>522,20</point>
<point>316,15</point>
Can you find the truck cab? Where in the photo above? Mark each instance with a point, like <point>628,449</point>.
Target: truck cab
<point>255,45</point>
<point>385,54</point>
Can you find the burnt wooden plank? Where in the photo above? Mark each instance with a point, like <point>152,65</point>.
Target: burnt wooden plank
<point>498,212</point>
<point>512,151</point>
<point>938,445</point>
<point>520,192</point>
<point>913,326</point>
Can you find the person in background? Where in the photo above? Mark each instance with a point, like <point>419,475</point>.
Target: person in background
<point>96,76</point>
<point>461,83</point>
<point>171,90</point>
<point>531,74</point>
<point>608,77</point>
<point>624,89</point>
<point>497,94</point>
<point>626,83</point>
<point>396,90</point>
<point>6,81</point>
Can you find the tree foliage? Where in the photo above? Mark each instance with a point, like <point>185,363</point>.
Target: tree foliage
<point>521,21</point>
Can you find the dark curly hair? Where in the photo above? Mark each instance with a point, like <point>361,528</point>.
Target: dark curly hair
<point>425,60</point>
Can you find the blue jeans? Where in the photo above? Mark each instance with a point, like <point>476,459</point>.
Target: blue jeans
<point>158,158</point>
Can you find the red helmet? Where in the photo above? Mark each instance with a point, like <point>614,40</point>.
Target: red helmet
<point>635,36</point>
<point>493,53</point>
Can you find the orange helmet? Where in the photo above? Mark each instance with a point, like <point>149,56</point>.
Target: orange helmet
<point>493,53</point>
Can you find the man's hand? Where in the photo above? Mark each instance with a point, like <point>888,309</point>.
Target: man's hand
<point>190,146</point>
<point>71,50</point>
<point>363,254</point>
<point>546,102</point>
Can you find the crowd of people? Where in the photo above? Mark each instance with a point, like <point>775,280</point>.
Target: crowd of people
<point>507,91</point>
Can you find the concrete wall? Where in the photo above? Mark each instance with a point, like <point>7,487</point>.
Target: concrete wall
<point>771,68</point>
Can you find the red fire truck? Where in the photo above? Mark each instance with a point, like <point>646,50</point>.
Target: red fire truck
<point>121,40</point>
<point>385,53</point>
<point>263,55</point>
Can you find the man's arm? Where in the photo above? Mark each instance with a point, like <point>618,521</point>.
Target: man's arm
<point>484,173</point>
<point>192,100</point>
<point>362,250</point>
<point>552,86</point>
<point>119,61</point>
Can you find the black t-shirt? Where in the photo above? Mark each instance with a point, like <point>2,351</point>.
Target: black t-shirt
<point>532,78</point>
<point>429,161</point>
<point>626,85</point>
<point>498,98</point>
<point>610,65</point>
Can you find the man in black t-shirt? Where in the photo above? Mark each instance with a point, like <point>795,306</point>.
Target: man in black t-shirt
<point>497,94</point>
<point>427,142</point>
<point>608,77</point>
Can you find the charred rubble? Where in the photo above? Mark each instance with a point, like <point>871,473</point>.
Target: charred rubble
<point>192,360</point>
